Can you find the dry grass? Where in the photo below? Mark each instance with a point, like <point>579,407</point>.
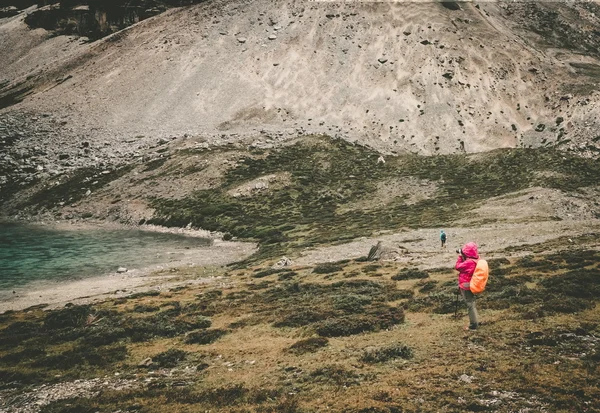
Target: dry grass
<point>513,362</point>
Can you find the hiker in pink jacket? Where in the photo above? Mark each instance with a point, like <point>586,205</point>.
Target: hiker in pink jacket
<point>465,264</point>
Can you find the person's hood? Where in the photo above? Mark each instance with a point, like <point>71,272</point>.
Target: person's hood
<point>470,250</point>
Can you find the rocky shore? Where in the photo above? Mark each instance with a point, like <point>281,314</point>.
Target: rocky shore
<point>125,281</point>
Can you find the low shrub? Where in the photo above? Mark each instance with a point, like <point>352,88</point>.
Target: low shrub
<point>310,345</point>
<point>427,286</point>
<point>104,335</point>
<point>17,332</point>
<point>157,325</point>
<point>567,305</point>
<point>302,316</point>
<point>578,283</point>
<point>28,354</point>
<point>205,336</point>
<point>381,317</point>
<point>259,286</point>
<point>384,354</point>
<point>288,275</point>
<point>371,268</point>
<point>344,326</point>
<point>495,263</point>
<point>400,295</point>
<point>202,322</point>
<point>151,293</point>
<point>169,358</point>
<point>410,274</point>
<point>267,272</point>
<point>327,268</point>
<point>351,303</point>
<point>439,303</point>
<point>336,375</point>
<point>82,355</point>
<point>145,308</point>
<point>69,317</point>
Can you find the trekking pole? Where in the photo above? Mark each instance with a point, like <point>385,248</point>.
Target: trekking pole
<point>456,303</point>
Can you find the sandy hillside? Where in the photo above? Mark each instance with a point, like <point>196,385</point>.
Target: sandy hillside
<point>400,77</point>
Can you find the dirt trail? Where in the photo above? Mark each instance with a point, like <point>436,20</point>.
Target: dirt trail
<point>421,248</point>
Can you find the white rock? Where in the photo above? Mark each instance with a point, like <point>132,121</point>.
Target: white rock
<point>466,378</point>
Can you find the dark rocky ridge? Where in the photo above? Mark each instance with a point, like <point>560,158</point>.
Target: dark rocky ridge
<point>93,19</point>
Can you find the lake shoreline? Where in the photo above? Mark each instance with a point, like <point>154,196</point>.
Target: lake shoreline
<point>53,294</point>
<point>69,225</point>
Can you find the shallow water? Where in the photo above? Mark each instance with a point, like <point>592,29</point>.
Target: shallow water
<point>31,254</point>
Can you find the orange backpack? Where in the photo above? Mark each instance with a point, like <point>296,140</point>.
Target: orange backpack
<point>480,277</point>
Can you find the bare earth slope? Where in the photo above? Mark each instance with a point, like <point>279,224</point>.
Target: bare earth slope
<point>400,77</point>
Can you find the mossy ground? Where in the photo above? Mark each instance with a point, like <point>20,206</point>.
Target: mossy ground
<point>234,348</point>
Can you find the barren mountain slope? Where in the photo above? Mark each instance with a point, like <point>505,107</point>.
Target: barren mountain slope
<point>416,77</point>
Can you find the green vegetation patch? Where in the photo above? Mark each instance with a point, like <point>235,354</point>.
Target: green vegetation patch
<point>205,336</point>
<point>339,309</point>
<point>309,345</point>
<point>410,274</point>
<point>328,176</point>
<point>335,375</point>
<point>566,282</point>
<point>153,398</point>
<point>74,186</point>
<point>169,358</point>
<point>381,355</point>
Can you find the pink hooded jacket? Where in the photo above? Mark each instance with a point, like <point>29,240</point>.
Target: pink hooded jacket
<point>466,267</point>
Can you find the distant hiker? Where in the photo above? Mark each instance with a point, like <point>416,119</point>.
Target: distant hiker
<point>465,264</point>
<point>443,238</point>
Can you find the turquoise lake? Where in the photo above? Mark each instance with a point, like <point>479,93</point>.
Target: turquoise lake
<point>39,254</point>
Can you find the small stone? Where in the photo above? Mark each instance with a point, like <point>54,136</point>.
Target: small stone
<point>466,378</point>
<point>121,270</point>
<point>283,262</point>
<point>146,362</point>
<point>272,37</point>
<point>382,60</point>
<point>242,39</point>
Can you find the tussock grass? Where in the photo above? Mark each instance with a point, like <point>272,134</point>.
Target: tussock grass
<point>381,355</point>
<point>257,366</point>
